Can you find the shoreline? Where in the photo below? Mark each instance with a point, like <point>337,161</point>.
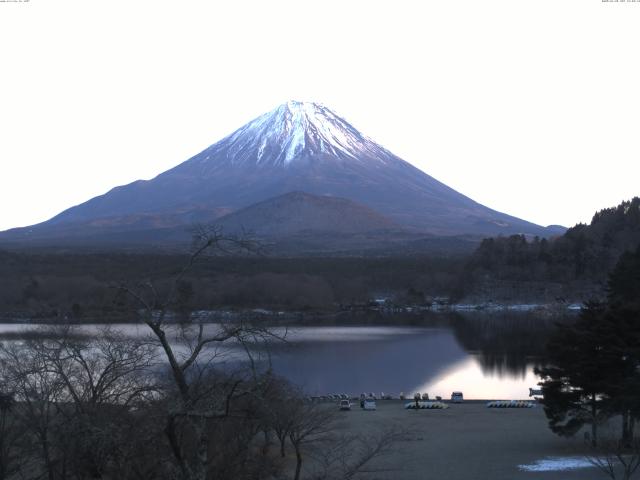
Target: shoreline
<point>351,311</point>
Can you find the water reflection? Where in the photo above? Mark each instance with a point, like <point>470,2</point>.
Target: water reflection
<point>503,344</point>
<point>390,359</point>
<point>485,356</point>
<point>469,377</point>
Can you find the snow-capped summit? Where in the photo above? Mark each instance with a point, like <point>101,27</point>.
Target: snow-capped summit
<point>292,131</point>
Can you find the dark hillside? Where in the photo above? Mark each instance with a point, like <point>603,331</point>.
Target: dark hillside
<point>575,263</point>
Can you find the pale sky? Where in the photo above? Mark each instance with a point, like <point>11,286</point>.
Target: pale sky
<point>531,107</point>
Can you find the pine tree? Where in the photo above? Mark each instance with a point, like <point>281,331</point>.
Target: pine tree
<point>593,365</point>
<point>575,381</point>
<point>623,320</point>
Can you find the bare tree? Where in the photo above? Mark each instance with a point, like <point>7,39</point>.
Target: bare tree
<point>191,350</point>
<point>38,393</point>
<point>347,456</point>
<point>110,369</point>
<point>190,401</point>
<point>310,422</point>
<point>103,377</point>
<point>614,457</point>
<point>277,407</point>
<point>314,434</point>
<point>10,434</point>
<point>74,397</point>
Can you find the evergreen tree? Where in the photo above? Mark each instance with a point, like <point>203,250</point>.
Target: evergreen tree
<point>593,369</point>
<point>624,283</point>
<point>575,381</point>
<point>623,321</point>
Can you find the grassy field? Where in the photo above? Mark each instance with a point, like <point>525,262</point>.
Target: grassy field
<point>467,441</point>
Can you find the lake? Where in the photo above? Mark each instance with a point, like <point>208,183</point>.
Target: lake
<point>484,356</point>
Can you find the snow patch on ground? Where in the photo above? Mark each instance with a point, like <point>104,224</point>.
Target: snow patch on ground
<point>556,464</point>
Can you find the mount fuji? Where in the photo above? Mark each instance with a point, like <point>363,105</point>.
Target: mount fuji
<point>298,147</point>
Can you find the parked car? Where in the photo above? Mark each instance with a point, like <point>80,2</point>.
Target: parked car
<point>369,404</point>
<point>345,405</point>
<point>456,397</point>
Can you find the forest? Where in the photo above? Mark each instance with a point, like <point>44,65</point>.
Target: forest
<point>573,266</point>
<point>79,286</point>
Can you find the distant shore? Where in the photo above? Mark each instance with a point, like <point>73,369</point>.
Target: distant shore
<point>344,311</point>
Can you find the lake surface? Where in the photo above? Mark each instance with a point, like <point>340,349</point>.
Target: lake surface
<point>395,359</point>
<point>485,357</point>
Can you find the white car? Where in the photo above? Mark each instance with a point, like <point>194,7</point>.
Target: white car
<point>345,405</point>
<point>456,397</point>
<point>369,404</point>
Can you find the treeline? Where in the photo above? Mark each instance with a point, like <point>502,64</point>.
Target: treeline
<point>79,286</point>
<point>515,269</point>
<point>579,260</point>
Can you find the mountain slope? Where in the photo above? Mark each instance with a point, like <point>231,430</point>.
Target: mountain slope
<point>296,147</point>
<point>299,212</point>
